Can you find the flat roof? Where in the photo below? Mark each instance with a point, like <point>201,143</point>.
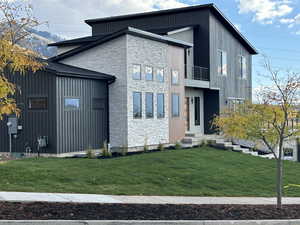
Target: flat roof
<point>211,6</point>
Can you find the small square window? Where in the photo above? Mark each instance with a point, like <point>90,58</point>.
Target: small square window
<point>175,77</point>
<point>160,75</point>
<point>38,103</point>
<point>72,103</point>
<point>136,72</point>
<point>149,73</point>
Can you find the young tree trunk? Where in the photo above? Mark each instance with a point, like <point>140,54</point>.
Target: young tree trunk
<point>279,177</point>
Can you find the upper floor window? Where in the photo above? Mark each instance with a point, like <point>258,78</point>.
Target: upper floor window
<point>160,75</point>
<point>222,62</point>
<point>175,77</point>
<point>149,105</point>
<point>175,105</point>
<point>243,67</point>
<point>137,105</point>
<point>136,72</point>
<point>149,73</point>
<point>160,105</point>
<point>38,103</point>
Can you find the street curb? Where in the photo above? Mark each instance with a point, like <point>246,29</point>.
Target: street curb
<point>149,222</point>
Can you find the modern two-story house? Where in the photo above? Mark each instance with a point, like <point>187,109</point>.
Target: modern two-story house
<point>165,74</point>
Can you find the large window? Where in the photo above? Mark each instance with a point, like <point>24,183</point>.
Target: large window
<point>137,105</point>
<point>149,105</point>
<point>160,105</point>
<point>136,72</point>
<point>38,103</point>
<point>175,77</point>
<point>72,103</point>
<point>160,75</point>
<point>222,62</point>
<point>243,67</point>
<point>149,73</point>
<point>175,105</point>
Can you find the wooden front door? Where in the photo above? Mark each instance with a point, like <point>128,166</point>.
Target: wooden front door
<point>187,113</point>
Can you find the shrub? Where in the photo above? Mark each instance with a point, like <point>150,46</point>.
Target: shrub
<point>90,154</point>
<point>105,151</point>
<point>161,147</point>
<point>146,148</point>
<point>124,150</point>
<point>178,145</point>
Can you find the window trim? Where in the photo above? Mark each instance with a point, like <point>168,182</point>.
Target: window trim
<point>132,75</point>
<point>178,83</point>
<point>164,112</point>
<point>141,105</point>
<point>172,111</point>
<point>149,117</point>
<point>71,97</point>
<point>163,76</point>
<point>37,97</point>
<point>221,73</point>
<point>152,68</point>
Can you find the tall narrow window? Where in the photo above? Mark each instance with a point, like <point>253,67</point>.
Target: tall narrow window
<point>222,62</point>
<point>175,77</point>
<point>197,111</point>
<point>136,72</point>
<point>149,73</point>
<point>244,67</point>
<point>160,105</point>
<point>137,105</point>
<point>160,75</point>
<point>175,105</point>
<point>149,105</point>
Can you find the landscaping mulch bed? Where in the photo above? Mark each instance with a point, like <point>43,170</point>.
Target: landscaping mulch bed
<point>72,211</point>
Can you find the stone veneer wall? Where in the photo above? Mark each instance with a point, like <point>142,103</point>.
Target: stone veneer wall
<point>147,53</point>
<point>110,58</point>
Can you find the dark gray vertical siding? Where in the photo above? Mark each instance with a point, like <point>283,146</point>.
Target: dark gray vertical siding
<point>87,127</point>
<point>35,122</point>
<point>231,85</point>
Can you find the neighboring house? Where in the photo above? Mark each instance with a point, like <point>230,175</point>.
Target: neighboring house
<point>173,70</point>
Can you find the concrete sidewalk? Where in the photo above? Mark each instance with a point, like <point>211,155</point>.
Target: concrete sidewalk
<point>92,198</point>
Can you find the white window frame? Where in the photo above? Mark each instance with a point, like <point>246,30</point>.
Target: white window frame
<point>133,73</point>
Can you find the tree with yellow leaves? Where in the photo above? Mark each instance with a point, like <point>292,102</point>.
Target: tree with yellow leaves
<point>268,121</point>
<point>15,24</point>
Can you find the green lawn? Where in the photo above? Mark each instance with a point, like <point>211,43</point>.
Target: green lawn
<point>196,172</point>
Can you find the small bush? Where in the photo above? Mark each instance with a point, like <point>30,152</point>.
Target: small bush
<point>105,151</point>
<point>146,148</point>
<point>90,154</point>
<point>161,147</point>
<point>178,145</point>
<point>124,150</point>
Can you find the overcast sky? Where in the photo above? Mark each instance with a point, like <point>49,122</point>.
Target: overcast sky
<point>272,26</point>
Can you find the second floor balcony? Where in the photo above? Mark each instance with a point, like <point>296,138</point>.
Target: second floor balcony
<point>196,76</point>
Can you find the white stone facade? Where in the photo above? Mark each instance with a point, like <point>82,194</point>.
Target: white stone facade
<point>154,130</point>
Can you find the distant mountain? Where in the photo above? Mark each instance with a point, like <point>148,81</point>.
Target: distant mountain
<point>39,41</point>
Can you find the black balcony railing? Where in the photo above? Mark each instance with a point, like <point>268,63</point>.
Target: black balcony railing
<point>196,73</point>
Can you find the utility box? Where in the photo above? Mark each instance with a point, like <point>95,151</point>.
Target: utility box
<point>42,141</point>
<point>12,125</point>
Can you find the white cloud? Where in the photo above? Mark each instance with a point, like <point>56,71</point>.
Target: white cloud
<point>265,11</point>
<point>66,17</point>
<point>286,21</point>
<point>297,19</point>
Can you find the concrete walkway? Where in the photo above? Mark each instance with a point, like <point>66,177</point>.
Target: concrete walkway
<point>91,198</point>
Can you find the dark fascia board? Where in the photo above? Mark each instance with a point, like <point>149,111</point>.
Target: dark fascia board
<point>129,30</point>
<point>77,41</point>
<point>83,73</point>
<point>211,6</point>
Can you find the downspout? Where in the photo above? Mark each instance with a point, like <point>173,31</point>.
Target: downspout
<point>109,82</point>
